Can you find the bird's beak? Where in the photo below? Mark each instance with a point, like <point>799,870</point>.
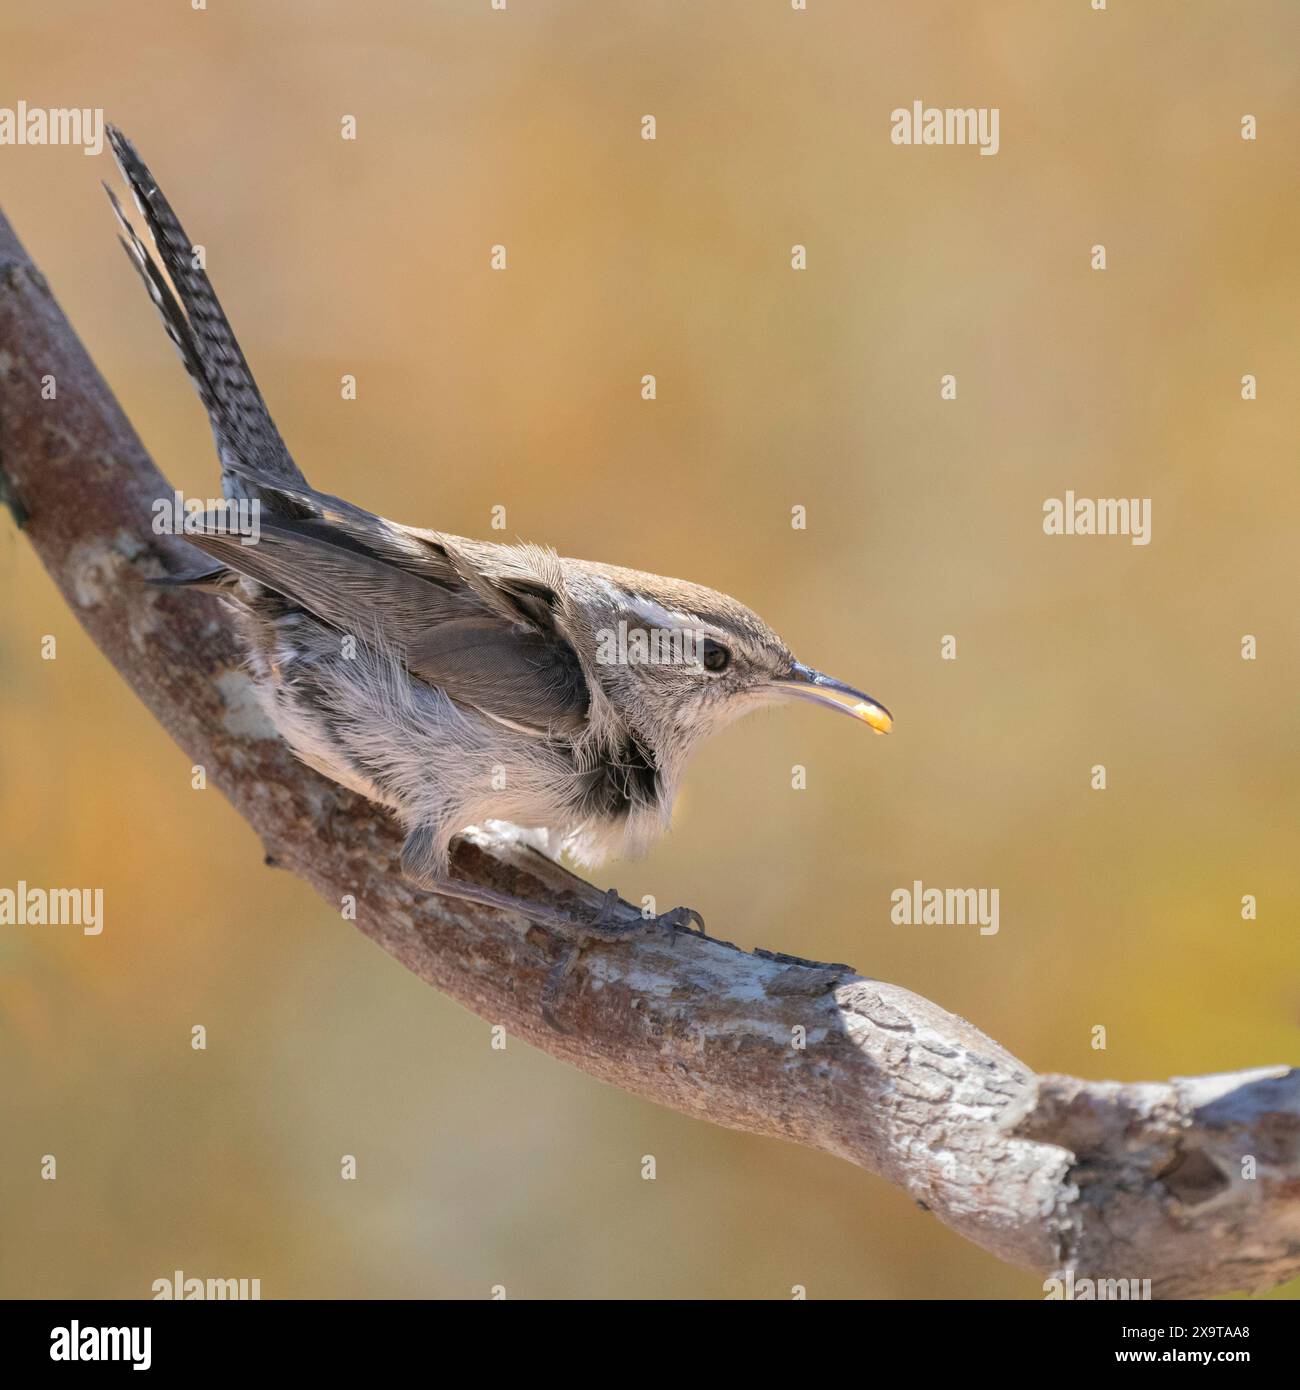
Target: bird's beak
<point>812,685</point>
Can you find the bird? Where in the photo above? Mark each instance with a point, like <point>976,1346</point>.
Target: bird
<point>450,680</point>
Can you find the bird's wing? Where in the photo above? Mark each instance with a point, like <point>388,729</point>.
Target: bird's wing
<point>485,640</point>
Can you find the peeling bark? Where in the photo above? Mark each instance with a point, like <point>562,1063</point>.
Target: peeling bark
<point>1104,1180</point>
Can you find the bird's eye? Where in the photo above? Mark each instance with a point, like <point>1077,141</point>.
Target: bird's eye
<point>716,656</point>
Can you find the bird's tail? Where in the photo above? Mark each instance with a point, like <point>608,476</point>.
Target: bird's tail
<point>248,443</point>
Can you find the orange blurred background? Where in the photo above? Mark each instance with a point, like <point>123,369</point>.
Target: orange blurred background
<point>776,389</point>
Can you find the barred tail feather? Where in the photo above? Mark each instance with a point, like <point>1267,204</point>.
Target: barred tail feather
<point>241,424</point>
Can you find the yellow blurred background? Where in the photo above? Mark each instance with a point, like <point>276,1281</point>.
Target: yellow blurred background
<point>776,389</point>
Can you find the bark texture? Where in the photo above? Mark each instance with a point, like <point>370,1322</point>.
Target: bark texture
<point>1192,1184</point>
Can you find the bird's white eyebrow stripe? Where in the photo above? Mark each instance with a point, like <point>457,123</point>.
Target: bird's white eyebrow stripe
<point>650,611</point>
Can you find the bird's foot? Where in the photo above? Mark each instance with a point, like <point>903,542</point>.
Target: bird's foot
<point>608,924</point>
<point>614,920</point>
<point>681,919</point>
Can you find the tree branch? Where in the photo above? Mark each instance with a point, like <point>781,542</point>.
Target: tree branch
<point>1103,1180</point>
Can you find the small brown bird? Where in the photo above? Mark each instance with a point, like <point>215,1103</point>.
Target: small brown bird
<point>458,681</point>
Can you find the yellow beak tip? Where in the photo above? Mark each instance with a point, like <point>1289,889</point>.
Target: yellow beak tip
<point>874,716</point>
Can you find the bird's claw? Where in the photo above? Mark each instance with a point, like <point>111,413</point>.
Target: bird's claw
<point>607,923</point>
<point>680,919</point>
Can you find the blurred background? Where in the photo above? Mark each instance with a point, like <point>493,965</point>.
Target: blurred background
<point>776,389</point>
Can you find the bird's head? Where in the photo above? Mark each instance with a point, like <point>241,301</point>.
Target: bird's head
<point>678,661</point>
